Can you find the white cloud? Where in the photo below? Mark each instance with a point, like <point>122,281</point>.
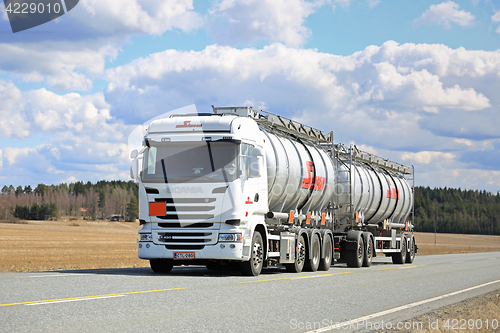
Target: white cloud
<point>496,18</point>
<point>247,21</point>
<point>12,123</point>
<point>405,77</point>
<point>77,134</point>
<point>86,37</point>
<point>58,62</point>
<point>426,157</point>
<point>373,3</point>
<point>463,178</point>
<point>67,81</point>
<point>137,16</point>
<point>444,14</point>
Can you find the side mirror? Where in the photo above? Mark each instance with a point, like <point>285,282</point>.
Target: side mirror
<point>254,167</point>
<point>134,164</point>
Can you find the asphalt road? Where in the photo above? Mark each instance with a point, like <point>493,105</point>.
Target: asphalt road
<point>193,299</point>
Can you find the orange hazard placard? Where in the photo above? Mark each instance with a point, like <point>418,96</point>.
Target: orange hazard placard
<point>157,208</point>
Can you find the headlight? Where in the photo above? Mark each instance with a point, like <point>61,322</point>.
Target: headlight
<point>229,237</point>
<point>145,237</point>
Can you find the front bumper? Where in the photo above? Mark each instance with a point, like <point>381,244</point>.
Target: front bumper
<point>219,251</point>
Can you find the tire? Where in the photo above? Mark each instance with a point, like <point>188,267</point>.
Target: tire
<point>161,265</point>
<point>253,267</point>
<point>410,256</point>
<point>312,263</point>
<point>300,257</point>
<point>326,262</point>
<point>213,266</point>
<point>368,255</point>
<point>354,259</point>
<point>400,257</point>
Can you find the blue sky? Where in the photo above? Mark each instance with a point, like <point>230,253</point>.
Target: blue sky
<point>414,81</point>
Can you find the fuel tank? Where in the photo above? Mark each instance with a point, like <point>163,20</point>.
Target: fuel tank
<point>304,176</point>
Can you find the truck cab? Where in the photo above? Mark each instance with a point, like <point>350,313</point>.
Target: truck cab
<point>202,188</point>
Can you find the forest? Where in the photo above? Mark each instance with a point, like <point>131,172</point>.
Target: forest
<point>444,210</point>
<point>457,211</point>
<point>102,200</point>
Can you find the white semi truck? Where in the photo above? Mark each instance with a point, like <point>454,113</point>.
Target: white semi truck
<point>252,188</point>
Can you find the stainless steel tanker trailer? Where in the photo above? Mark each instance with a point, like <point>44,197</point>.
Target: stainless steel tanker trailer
<point>252,188</point>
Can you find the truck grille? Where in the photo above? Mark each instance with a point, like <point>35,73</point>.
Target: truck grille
<point>191,225</point>
<point>186,216</point>
<point>188,237</point>
<point>184,247</point>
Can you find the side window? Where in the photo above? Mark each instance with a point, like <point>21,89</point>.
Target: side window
<point>246,155</point>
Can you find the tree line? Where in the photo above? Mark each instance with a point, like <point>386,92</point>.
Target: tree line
<point>457,211</point>
<point>444,210</point>
<point>101,200</point>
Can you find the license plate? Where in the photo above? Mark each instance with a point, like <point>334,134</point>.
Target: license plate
<point>184,255</point>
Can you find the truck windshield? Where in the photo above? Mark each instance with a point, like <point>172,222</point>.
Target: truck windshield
<point>180,162</point>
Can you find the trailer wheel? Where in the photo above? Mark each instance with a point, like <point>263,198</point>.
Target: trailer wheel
<point>354,258</point>
<point>312,263</point>
<point>161,265</point>
<point>326,262</point>
<point>300,257</point>
<point>253,267</point>
<point>368,255</point>
<point>400,257</point>
<point>410,256</point>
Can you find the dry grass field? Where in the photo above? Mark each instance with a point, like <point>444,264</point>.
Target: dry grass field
<point>57,245</point>
<point>454,243</point>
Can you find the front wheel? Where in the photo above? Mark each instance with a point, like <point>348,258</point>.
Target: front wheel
<point>253,267</point>
<point>161,265</point>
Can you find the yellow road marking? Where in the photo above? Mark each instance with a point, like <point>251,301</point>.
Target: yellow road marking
<point>296,277</point>
<point>95,296</point>
<point>383,269</point>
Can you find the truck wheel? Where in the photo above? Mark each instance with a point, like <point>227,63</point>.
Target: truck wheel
<point>253,267</point>
<point>400,257</point>
<point>312,263</point>
<point>354,259</point>
<point>300,257</point>
<point>410,256</point>
<point>326,262</point>
<point>213,266</point>
<point>161,265</point>
<point>367,258</point>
